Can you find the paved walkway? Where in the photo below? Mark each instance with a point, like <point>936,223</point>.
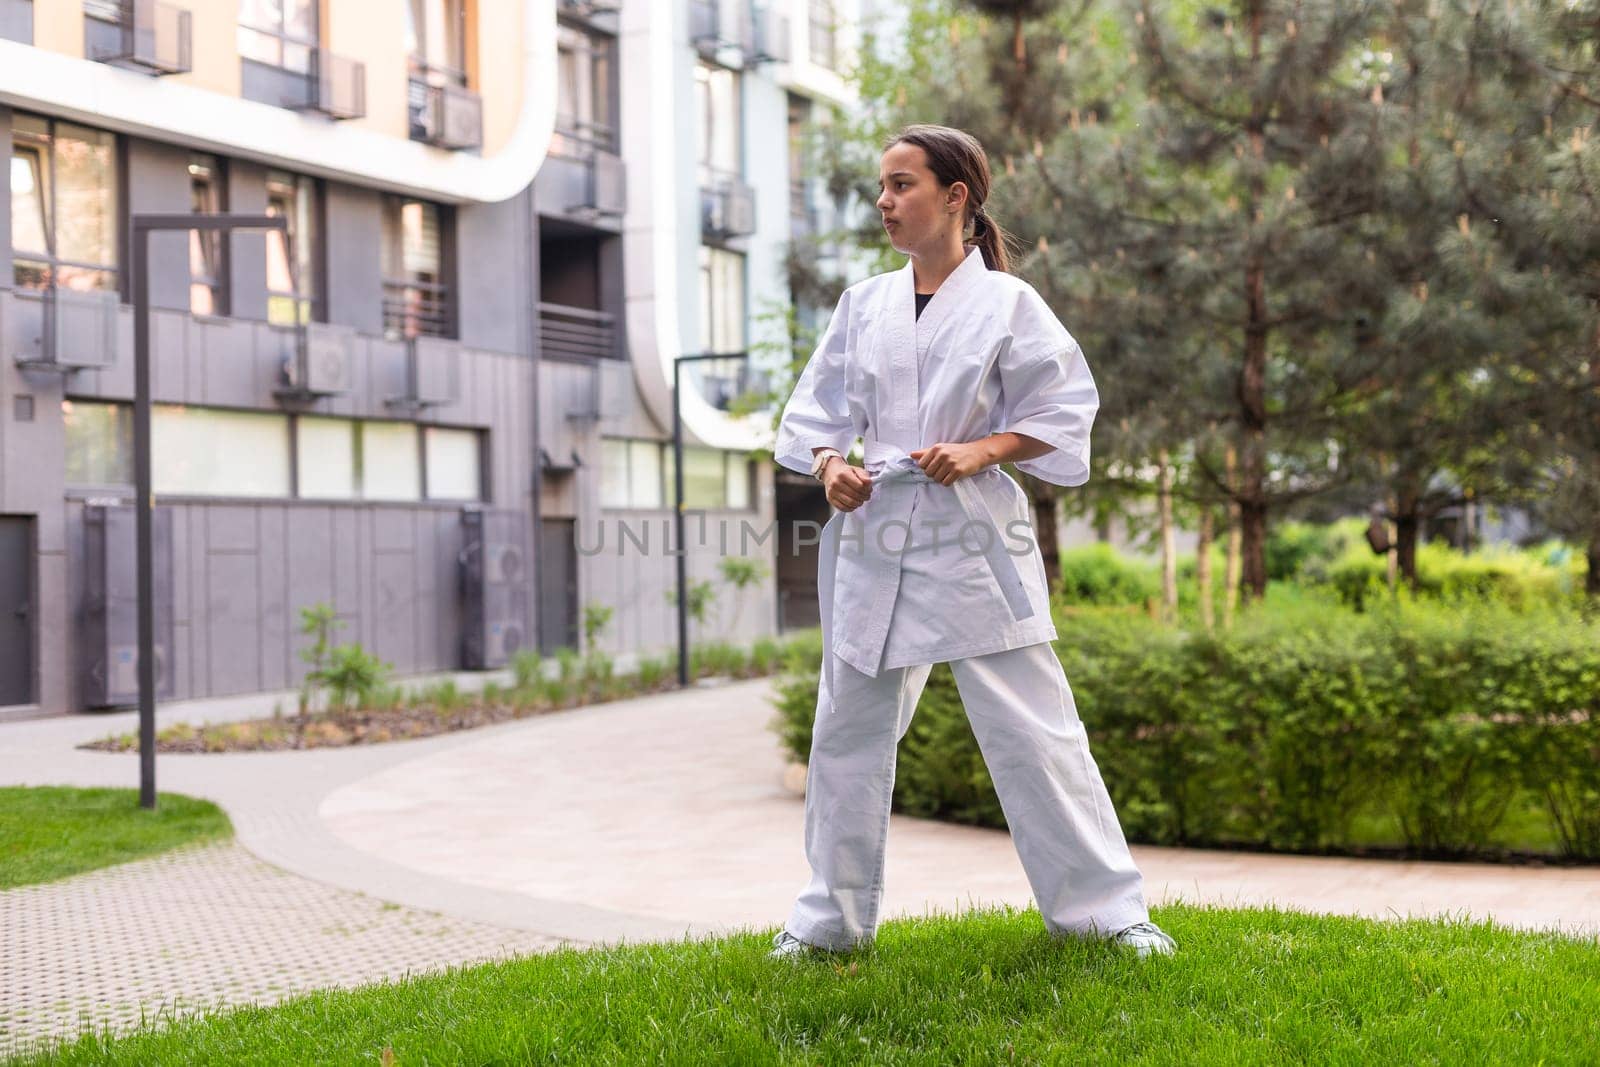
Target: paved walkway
<point>639,820</point>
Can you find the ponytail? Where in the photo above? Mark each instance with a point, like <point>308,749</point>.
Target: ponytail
<point>992,240</point>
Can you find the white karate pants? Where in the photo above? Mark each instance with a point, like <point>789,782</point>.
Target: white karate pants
<point>1027,727</point>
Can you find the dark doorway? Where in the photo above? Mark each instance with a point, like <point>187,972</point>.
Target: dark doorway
<point>558,585</point>
<point>16,610</point>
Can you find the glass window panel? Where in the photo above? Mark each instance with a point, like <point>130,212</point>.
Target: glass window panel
<point>99,440</point>
<point>644,467</point>
<point>422,254</point>
<point>205,452</point>
<point>721,300</point>
<point>291,271</point>
<point>30,184</point>
<point>454,464</point>
<point>415,20</point>
<point>391,468</point>
<point>614,491</point>
<point>704,479</point>
<point>326,453</point>
<point>86,195</point>
<point>738,495</point>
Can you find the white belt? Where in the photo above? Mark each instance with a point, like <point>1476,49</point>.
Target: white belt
<point>891,466</point>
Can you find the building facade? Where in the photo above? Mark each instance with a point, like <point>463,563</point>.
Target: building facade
<point>437,400</point>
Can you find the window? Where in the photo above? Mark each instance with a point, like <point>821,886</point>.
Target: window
<point>454,463</point>
<point>824,34</point>
<point>585,114</point>
<point>631,474</point>
<point>416,300</point>
<point>721,300</point>
<point>206,452</point>
<point>64,206</point>
<point>435,32</point>
<point>208,269</point>
<point>211,452</point>
<point>717,112</point>
<point>638,474</point>
<point>279,33</point>
<point>391,462</point>
<point>99,443</point>
<point>325,451</point>
<point>293,278</point>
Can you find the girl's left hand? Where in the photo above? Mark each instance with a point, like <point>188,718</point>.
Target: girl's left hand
<point>947,461</point>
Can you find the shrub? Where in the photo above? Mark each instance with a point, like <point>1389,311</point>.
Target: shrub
<point>1303,727</point>
<point>1098,574</point>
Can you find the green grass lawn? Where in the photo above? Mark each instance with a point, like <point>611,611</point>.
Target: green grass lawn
<point>1246,987</point>
<point>52,832</point>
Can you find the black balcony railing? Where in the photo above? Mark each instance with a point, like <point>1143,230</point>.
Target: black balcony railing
<point>445,115</point>
<point>574,333</point>
<point>416,309</point>
<point>727,206</point>
<point>144,35</point>
<point>16,21</point>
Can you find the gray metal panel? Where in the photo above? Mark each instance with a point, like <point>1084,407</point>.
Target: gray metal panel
<point>17,613</point>
<point>158,181</point>
<point>558,580</point>
<point>355,277</point>
<point>394,600</point>
<point>110,660</point>
<point>247,252</point>
<point>273,575</point>
<point>233,614</point>
<point>308,569</point>
<point>5,186</point>
<point>490,312</point>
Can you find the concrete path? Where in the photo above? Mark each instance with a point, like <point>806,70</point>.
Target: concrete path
<point>639,820</point>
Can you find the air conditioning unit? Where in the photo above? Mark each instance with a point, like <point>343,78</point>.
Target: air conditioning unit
<point>434,371</point>
<point>323,363</point>
<point>110,620</point>
<point>495,577</point>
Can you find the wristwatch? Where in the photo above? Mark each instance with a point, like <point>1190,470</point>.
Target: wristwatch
<point>821,460</point>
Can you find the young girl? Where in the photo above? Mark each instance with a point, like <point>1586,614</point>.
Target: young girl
<point>945,368</point>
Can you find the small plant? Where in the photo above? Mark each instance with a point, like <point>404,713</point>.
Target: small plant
<point>596,617</point>
<point>527,667</point>
<point>353,677</point>
<point>741,574</point>
<point>701,600</point>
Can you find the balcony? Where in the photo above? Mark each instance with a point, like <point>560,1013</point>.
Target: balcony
<point>584,177</point>
<point>416,309</point>
<point>576,334</point>
<point>720,40</point>
<point>444,115</point>
<point>723,382</point>
<point>142,35</point>
<point>65,329</point>
<point>727,207</point>
<point>331,84</point>
<point>770,39</point>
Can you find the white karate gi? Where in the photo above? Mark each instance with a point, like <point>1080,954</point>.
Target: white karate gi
<point>900,592</point>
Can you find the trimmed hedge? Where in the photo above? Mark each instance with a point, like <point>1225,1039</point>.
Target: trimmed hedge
<point>1443,730</point>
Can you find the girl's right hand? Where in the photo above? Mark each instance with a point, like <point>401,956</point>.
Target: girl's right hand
<point>847,487</point>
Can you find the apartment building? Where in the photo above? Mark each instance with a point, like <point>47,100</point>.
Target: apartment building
<point>711,98</point>
<point>435,398</point>
<point>343,415</point>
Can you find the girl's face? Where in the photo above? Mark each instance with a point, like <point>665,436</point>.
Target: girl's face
<point>918,213</point>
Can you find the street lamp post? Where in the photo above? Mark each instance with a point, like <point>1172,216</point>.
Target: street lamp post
<point>677,489</point>
<point>143,227</point>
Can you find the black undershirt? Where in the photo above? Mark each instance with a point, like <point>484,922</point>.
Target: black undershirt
<point>922,301</point>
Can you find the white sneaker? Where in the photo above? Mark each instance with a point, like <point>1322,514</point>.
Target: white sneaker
<point>786,945</point>
<point>1146,938</point>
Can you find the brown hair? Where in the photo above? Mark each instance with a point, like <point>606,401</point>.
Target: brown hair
<point>956,156</point>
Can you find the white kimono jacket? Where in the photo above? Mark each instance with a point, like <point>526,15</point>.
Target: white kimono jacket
<point>987,354</point>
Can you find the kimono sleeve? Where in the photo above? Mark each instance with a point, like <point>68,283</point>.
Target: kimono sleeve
<point>817,412</point>
<point>1047,392</point>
